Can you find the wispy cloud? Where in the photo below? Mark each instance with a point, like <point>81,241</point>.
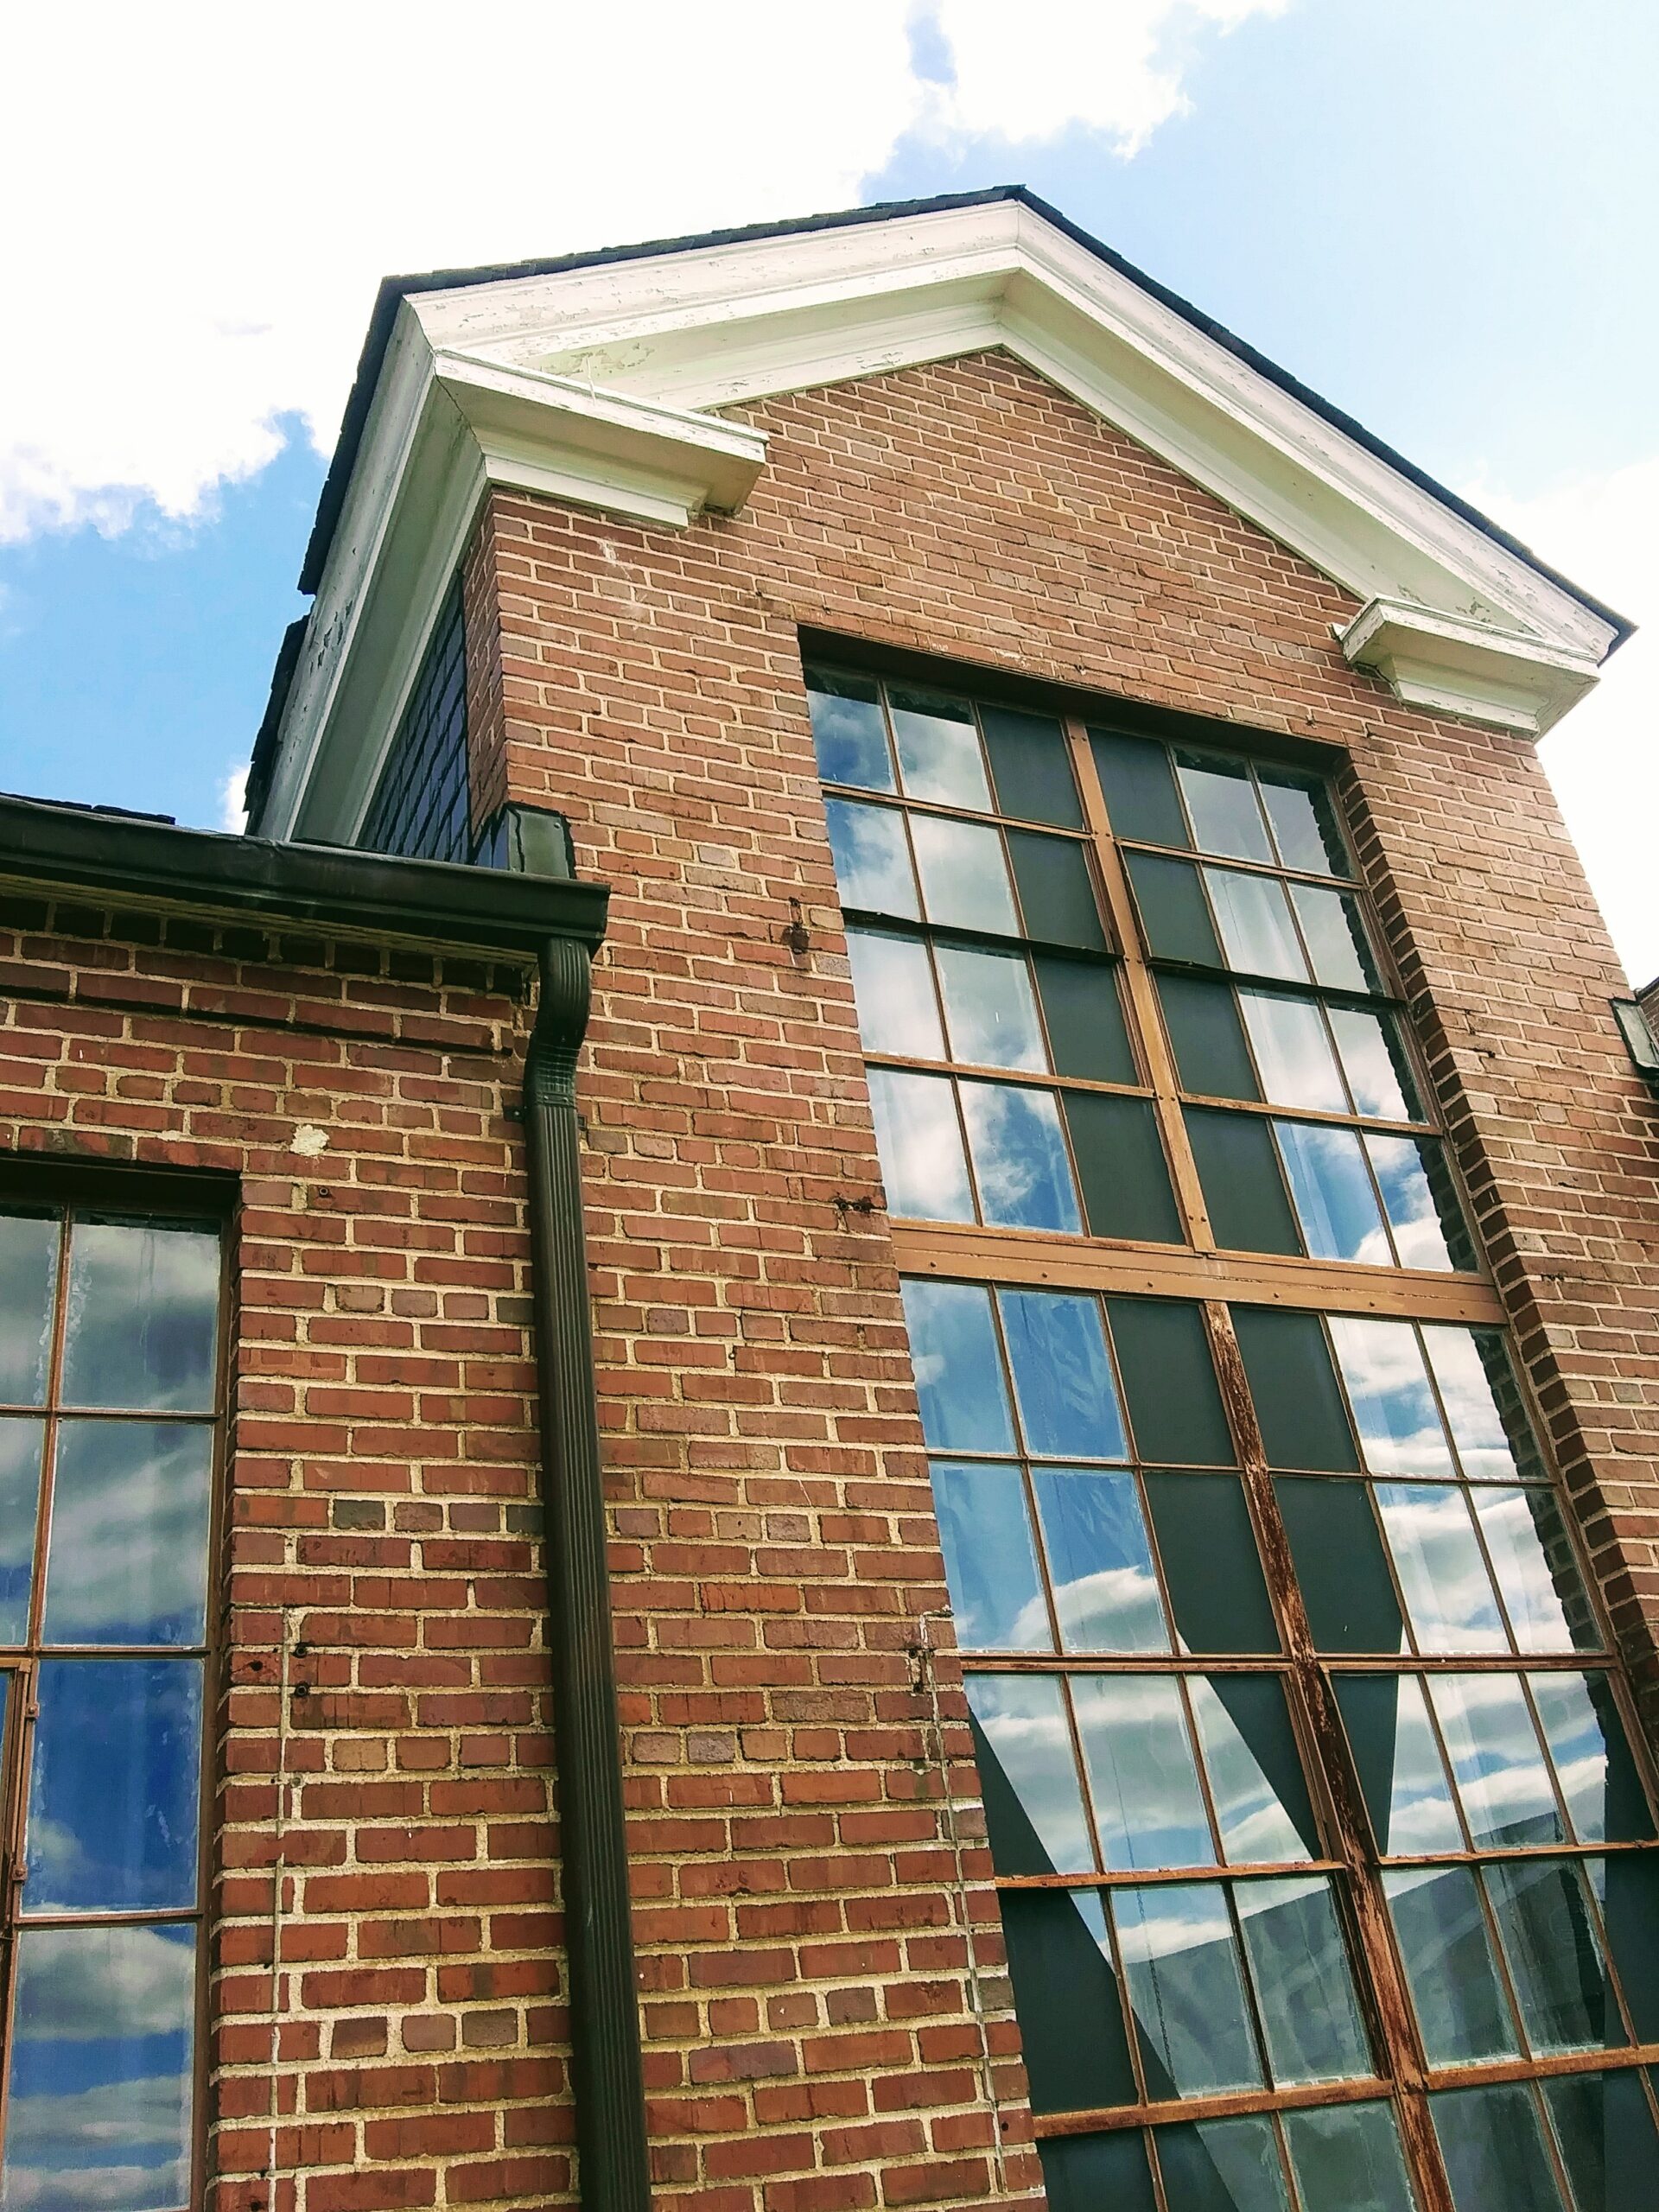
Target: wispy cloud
<point>233,799</point>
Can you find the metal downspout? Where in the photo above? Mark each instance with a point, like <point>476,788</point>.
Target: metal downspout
<point>608,2082</point>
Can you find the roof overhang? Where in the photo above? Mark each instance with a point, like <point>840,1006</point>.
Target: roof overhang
<point>597,382</point>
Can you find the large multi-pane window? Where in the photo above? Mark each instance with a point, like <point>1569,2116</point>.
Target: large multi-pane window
<point>110,1389</point>
<point>1325,1845</point>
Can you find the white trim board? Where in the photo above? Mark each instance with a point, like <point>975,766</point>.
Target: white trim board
<point>594,386</point>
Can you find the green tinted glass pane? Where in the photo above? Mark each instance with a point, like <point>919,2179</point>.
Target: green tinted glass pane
<point>1206,1037</point>
<point>1144,1786</point>
<point>1174,919</point>
<point>1028,1774</point>
<point>848,732</point>
<point>1083,2173</point>
<point>1121,1165</point>
<point>1056,897</point>
<point>1243,1191</point>
<point>1447,1955</point>
<point>1256,1774</point>
<point>1298,1403</point>
<point>919,1140</point>
<point>1031,767</point>
<point>1163,1356</point>
<point>1399,1766</point>
<point>1548,1939</point>
<point>1065,1994</point>
<point>1211,1569</point>
<point>1085,1019</point>
<point>1629,1909</point>
<point>1605,2132</point>
<point>28,1267</point>
<point>1187,1994</point>
<point>938,749</point>
<point>1221,2165</point>
<point>1222,808</point>
<point>990,1561</point>
<point>894,986</point>
<point>1304,822</point>
<point>1340,1565</point>
<point>1347,2158</point>
<point>1141,797</point>
<point>958,1367</point>
<point>1494,2150</point>
<point>1304,1990</point>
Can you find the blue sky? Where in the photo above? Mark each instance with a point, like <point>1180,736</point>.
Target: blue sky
<point>1439,213</point>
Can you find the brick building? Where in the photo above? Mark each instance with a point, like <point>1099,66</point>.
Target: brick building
<point>1060,1595</point>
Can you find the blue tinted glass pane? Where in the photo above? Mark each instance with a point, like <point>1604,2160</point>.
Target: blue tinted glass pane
<point>113,1805</point>
<point>1420,1234</point>
<point>1335,1202</point>
<point>848,734</point>
<point>1494,2151</point>
<point>1476,1384</point>
<point>1347,2158</point>
<point>1606,1802</point>
<point>964,875</point>
<point>99,2116</point>
<point>1448,1960</point>
<point>958,1367</point>
<point>990,1562</point>
<point>142,1325</point>
<point>1253,921</point>
<point>872,860</point>
<point>127,1561</point>
<point>29,1268</point>
<point>893,986</point>
<point>1336,938</point>
<point>1099,1561</point>
<point>1304,1990</point>
<point>1548,1938</point>
<point>1033,1807</point>
<point>1407,1794</point>
<point>1222,806</point>
<point>1400,1430</point>
<point>1186,1991</point>
<point>1062,1378</point>
<point>1221,2165</point>
<point>1138,1755</point>
<point>938,749</point>
<point>1447,1592</point>
<point>919,1141</point>
<point>20,1492</point>
<point>1255,1777</point>
<point>990,1007</point>
<point>1537,1575</point>
<point>1021,1163</point>
<point>1497,1761</point>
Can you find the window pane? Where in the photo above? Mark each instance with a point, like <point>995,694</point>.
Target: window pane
<point>1062,1378</point>
<point>1030,766</point>
<point>1070,2021</point>
<point>1447,1592</point>
<point>112,1807</point>
<point>919,1141</point>
<point>1099,1561</point>
<point>1163,1356</point>
<point>1347,2158</point>
<point>1304,825</point>
<point>1033,1809</point>
<point>1336,939</point>
<point>1472,1371</point>
<point>128,1557</point>
<point>1399,1431</point>
<point>1121,1165</point>
<point>1020,1158</point>
<point>1629,1909</point>
<point>1149,1811</point>
<point>20,1492</point>
<point>1494,2151</point>
<point>990,1008</point>
<point>1537,1575</point>
<point>1293,1387</point>
<point>1057,896</point>
<point>1606,2132</point>
<point>1221,2165</point>
<point>958,1367</point>
<point>872,860</point>
<point>142,1327</point>
<point>1428,1230</point>
<point>1497,1761</point>
<point>1553,1953</point>
<point>1256,1782</point>
<point>1304,1991</point>
<point>938,749</point>
<point>848,734</point>
<point>1398,1763</point>
<point>1375,1064</point>
<point>99,2103</point>
<point>893,986</point>
<point>1334,1198</point>
<point>964,875</point>
<point>29,1269</point>
<point>1082,2173</point>
<point>1185,1992</point>
<point>1254,925</point>
<point>990,1562</point>
<point>1084,1015</point>
<point>1206,1038</point>
<point>1292,1052</point>
<point>1243,1191</point>
<point>1448,1960</point>
<point>1211,1568</point>
<point>1341,1567</point>
<point>1606,1802</point>
<point>1174,918</point>
<point>1221,804</point>
<point>1134,775</point>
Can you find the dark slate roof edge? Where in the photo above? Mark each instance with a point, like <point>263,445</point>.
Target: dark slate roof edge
<point>435,904</point>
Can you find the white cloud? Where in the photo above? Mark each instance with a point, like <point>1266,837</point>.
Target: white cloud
<point>207,195</point>
<point>233,799</point>
<point>1602,758</point>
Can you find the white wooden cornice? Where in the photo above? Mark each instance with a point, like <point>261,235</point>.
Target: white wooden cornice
<point>596,386</point>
